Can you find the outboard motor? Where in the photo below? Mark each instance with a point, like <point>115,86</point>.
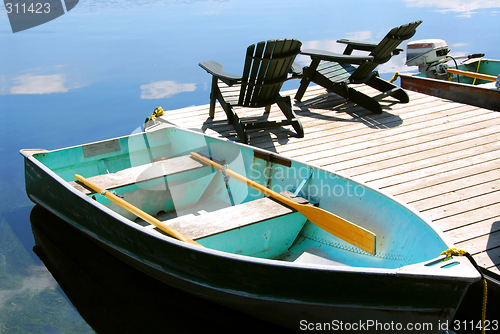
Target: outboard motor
<point>428,55</point>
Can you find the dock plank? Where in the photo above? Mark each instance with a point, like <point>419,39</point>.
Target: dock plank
<point>488,259</point>
<point>474,230</point>
<point>438,180</point>
<point>481,244</point>
<point>397,148</point>
<point>462,159</point>
<point>468,217</point>
<point>456,208</point>
<point>392,159</point>
<point>463,182</point>
<point>459,195</point>
<point>441,157</point>
<point>432,163</point>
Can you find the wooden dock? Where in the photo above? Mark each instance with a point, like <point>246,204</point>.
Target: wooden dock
<point>441,157</point>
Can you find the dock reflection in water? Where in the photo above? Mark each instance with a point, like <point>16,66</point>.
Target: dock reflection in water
<point>113,297</point>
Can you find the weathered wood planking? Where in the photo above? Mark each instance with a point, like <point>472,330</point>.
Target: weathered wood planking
<point>441,157</point>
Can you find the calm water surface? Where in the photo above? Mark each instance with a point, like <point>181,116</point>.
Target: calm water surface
<point>96,73</point>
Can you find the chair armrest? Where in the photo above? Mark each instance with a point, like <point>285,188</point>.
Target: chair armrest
<point>339,58</point>
<point>217,70</point>
<point>357,45</point>
<point>363,46</point>
<point>295,71</point>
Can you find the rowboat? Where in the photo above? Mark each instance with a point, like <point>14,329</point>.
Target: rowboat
<point>284,241</point>
<point>475,81</point>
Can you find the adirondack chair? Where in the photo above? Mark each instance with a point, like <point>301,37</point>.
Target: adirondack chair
<point>267,66</point>
<point>335,71</point>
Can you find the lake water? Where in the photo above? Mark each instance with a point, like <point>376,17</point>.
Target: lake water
<point>97,72</point>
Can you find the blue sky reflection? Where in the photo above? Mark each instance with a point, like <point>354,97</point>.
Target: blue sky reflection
<point>147,42</point>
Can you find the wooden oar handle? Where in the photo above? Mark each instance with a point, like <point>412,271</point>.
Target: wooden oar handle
<point>473,75</point>
<point>245,180</point>
<point>135,210</point>
<point>207,161</point>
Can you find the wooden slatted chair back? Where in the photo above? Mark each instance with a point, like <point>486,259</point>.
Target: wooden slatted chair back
<point>267,65</point>
<point>384,49</point>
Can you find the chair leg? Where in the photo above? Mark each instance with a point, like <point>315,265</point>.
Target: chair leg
<point>240,128</point>
<point>386,87</point>
<point>214,95</point>
<point>235,121</point>
<point>285,105</point>
<point>307,78</point>
<point>304,83</point>
<point>356,96</point>
<point>364,100</point>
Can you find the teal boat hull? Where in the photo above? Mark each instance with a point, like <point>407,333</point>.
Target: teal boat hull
<point>405,283</point>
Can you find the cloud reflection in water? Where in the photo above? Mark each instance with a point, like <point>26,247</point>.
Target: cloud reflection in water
<point>39,84</point>
<point>162,89</point>
<point>38,280</point>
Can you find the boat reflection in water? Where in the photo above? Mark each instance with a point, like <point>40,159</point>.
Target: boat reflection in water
<point>113,297</point>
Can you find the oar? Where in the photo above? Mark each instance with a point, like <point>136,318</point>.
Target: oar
<point>473,75</point>
<point>135,210</point>
<point>344,229</point>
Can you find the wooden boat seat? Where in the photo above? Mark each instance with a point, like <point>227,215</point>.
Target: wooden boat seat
<point>141,173</point>
<point>230,218</point>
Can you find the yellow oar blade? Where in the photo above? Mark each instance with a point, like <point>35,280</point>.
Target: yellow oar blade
<point>340,227</point>
<point>135,210</point>
<point>345,230</point>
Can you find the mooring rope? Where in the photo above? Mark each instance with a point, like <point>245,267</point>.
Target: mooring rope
<point>460,252</point>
